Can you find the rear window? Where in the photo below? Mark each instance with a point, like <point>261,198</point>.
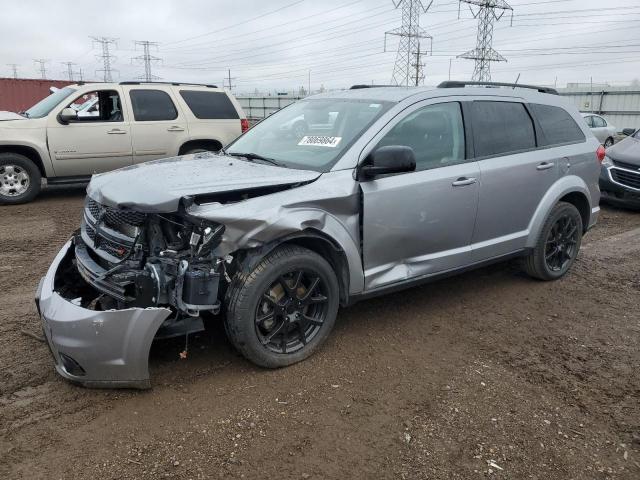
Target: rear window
<point>500,128</point>
<point>152,105</point>
<point>209,105</point>
<point>557,125</point>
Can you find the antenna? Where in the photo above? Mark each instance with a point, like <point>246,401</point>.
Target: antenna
<point>105,56</point>
<point>147,59</point>
<point>484,53</point>
<point>410,34</point>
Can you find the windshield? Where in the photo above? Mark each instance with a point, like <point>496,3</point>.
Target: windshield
<point>44,106</point>
<point>310,134</point>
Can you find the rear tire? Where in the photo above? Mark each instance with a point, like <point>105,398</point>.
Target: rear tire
<point>19,179</point>
<point>282,311</point>
<point>558,244</point>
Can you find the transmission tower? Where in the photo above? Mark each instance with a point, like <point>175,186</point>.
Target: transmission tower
<point>418,65</point>
<point>69,70</point>
<point>42,68</point>
<point>106,57</point>
<point>14,69</point>
<point>147,59</point>
<point>484,53</point>
<point>410,34</point>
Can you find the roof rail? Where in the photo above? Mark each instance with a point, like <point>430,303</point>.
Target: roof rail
<point>358,87</point>
<point>460,84</point>
<point>175,84</point>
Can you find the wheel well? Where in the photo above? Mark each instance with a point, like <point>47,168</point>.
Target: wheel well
<point>28,152</point>
<point>579,200</point>
<point>328,250</point>
<point>213,145</point>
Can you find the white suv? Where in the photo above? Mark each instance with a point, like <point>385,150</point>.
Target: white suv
<point>133,122</point>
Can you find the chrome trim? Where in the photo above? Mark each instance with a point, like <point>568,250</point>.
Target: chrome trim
<point>624,170</point>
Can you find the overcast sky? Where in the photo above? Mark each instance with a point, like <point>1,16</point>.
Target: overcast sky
<point>273,45</point>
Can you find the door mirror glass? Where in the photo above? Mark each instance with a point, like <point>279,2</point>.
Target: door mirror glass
<point>389,159</point>
<point>628,131</point>
<point>68,115</point>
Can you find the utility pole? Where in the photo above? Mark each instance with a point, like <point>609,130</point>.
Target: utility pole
<point>226,82</point>
<point>309,84</point>
<point>80,76</point>
<point>14,69</point>
<point>410,34</point>
<point>484,53</point>
<point>42,68</point>
<point>69,70</point>
<point>106,56</point>
<point>147,59</point>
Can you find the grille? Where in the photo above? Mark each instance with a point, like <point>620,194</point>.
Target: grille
<point>115,216</point>
<point>629,179</point>
<point>626,165</point>
<point>94,207</point>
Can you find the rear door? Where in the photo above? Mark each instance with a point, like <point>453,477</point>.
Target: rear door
<point>158,126</point>
<point>600,129</point>
<point>211,115</point>
<point>420,223</point>
<point>515,175</point>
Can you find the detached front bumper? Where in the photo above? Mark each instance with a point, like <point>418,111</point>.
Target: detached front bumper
<point>108,349</point>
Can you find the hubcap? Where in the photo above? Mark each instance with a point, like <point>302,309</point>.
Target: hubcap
<point>14,180</point>
<point>560,248</point>
<point>291,312</point>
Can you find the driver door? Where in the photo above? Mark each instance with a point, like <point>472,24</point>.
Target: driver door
<point>91,143</point>
<point>421,223</point>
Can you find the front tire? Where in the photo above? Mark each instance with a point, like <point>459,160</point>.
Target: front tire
<point>19,179</point>
<point>558,244</point>
<point>282,311</point>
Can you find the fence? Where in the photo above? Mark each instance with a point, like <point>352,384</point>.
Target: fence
<point>620,105</point>
<point>257,108</point>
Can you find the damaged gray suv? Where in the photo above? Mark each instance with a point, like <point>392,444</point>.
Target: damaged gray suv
<point>383,189</point>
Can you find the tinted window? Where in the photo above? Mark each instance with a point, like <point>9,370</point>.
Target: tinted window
<point>557,125</point>
<point>208,105</point>
<point>599,122</point>
<point>501,127</point>
<point>152,105</point>
<point>435,133</point>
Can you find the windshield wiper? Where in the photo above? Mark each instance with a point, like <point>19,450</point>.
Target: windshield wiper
<point>254,156</point>
<point>25,114</point>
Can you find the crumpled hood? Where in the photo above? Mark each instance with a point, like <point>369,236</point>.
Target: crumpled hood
<point>627,150</point>
<point>4,115</point>
<point>158,185</point>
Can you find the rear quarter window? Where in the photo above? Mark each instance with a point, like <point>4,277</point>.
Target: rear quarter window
<point>558,127</point>
<point>500,128</point>
<point>209,105</point>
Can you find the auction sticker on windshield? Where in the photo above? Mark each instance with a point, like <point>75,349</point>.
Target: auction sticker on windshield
<point>320,141</point>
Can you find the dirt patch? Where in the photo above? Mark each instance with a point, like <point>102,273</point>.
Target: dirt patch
<point>484,374</point>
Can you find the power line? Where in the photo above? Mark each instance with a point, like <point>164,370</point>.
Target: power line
<point>484,53</point>
<point>410,34</point>
<point>106,56</point>
<point>147,59</point>
<point>42,67</point>
<point>14,69</point>
<point>69,70</point>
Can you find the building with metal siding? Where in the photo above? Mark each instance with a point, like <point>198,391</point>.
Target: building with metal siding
<point>17,94</point>
<point>619,105</point>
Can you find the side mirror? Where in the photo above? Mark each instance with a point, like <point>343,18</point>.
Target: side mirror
<point>628,131</point>
<point>389,159</point>
<point>67,115</point>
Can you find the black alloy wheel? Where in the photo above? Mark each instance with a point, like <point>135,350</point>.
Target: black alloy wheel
<point>292,311</point>
<point>561,244</point>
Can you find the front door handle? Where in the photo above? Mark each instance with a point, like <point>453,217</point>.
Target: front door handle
<point>462,181</point>
<point>545,166</point>
<point>175,128</point>
<point>116,131</point>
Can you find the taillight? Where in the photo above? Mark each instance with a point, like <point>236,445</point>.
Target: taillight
<point>600,153</point>
<point>244,125</point>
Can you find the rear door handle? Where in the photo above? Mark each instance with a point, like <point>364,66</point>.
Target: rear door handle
<point>545,166</point>
<point>462,181</point>
<point>116,131</point>
<point>175,128</point>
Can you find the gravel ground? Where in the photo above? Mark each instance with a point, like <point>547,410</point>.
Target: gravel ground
<point>488,374</point>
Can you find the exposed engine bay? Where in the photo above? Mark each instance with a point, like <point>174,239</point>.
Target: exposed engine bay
<point>123,258</point>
